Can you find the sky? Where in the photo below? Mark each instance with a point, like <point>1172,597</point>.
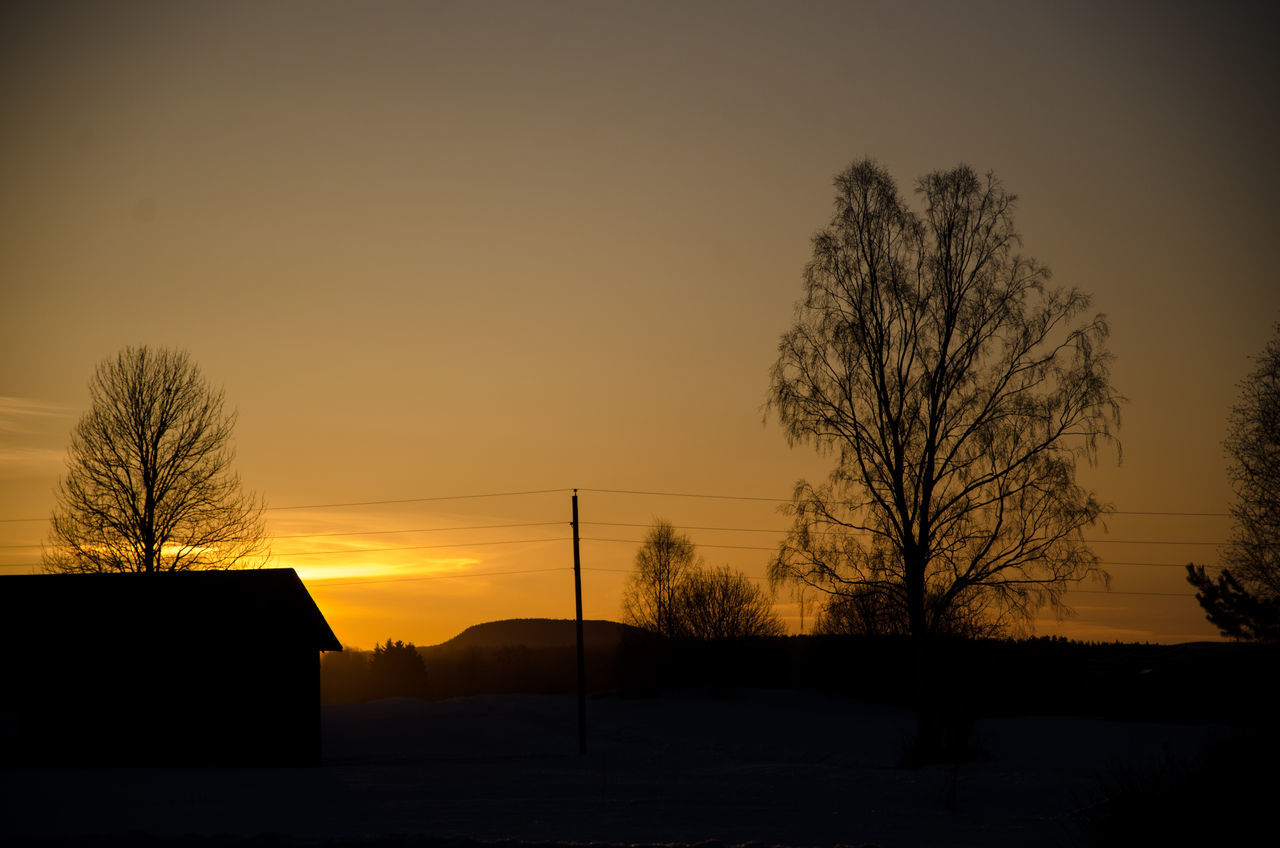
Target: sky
<point>434,250</point>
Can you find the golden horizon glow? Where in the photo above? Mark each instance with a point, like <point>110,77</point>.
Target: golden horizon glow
<point>451,249</point>
<point>448,593</point>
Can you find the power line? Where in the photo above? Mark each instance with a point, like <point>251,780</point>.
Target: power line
<point>423,500</point>
<point>1190,514</point>
<point>1183,595</point>
<point>359,551</point>
<point>1153,564</point>
<point>788,500</point>
<point>622,524</point>
<point>1149,542</point>
<point>756,548</point>
<point>779,530</point>
<point>363,551</point>
<point>378,502</point>
<point>1179,565</point>
<point>648,493</point>
<point>686,495</point>
<point>641,542</point>
<point>413,530</point>
<point>323,584</point>
<point>684,527</point>
<point>1074,591</point>
<point>374,532</point>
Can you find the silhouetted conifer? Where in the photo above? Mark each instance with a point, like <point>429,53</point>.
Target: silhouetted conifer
<point>1234,610</point>
<point>397,669</point>
<point>1244,602</point>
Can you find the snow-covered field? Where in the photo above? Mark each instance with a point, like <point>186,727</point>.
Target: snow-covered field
<point>772,767</point>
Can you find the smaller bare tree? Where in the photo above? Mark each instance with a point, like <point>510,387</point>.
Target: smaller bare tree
<point>662,563</point>
<point>721,603</point>
<point>671,593</point>
<point>149,484</point>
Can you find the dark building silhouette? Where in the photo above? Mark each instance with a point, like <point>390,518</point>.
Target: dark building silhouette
<point>187,668</point>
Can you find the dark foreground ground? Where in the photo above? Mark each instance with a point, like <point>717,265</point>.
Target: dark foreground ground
<point>766,767</point>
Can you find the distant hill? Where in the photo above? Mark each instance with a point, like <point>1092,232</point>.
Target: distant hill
<point>598,635</point>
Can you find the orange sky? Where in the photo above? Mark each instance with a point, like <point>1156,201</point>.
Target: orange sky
<point>436,249</point>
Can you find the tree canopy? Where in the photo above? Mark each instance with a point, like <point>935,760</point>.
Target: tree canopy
<point>662,562</point>
<point>397,669</point>
<point>721,603</point>
<point>956,390</point>
<point>149,483</point>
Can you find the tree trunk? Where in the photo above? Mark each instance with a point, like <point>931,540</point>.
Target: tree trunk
<point>930,743</point>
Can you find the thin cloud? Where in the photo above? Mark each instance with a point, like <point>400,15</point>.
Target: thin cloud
<point>31,433</point>
<point>16,412</point>
<point>30,457</point>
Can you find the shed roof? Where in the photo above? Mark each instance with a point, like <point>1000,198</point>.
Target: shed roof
<point>222,607</point>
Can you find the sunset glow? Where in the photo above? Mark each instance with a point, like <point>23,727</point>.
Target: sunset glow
<point>451,261</point>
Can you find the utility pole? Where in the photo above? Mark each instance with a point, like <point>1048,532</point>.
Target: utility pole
<point>582,662</point>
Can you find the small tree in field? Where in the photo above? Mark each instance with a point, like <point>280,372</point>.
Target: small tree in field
<point>664,560</point>
<point>720,603</point>
<point>149,483</point>
<point>673,594</point>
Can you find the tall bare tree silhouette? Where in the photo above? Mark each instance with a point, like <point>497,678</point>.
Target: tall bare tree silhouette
<point>956,391</point>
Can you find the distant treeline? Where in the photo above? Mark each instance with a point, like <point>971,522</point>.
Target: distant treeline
<point>454,671</point>
<point>987,677</point>
<point>1192,682</point>
<point>979,677</point>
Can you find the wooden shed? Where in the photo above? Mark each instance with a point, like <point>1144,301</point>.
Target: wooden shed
<point>185,668</point>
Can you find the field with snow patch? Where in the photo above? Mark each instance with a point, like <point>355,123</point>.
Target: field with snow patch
<point>765,766</point>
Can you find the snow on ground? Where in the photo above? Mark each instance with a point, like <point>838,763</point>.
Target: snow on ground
<point>772,767</point>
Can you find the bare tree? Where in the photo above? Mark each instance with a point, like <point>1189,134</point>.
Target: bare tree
<point>721,603</point>
<point>673,594</point>
<point>149,485</point>
<point>662,563</point>
<point>956,392</point>
<point>1244,600</point>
